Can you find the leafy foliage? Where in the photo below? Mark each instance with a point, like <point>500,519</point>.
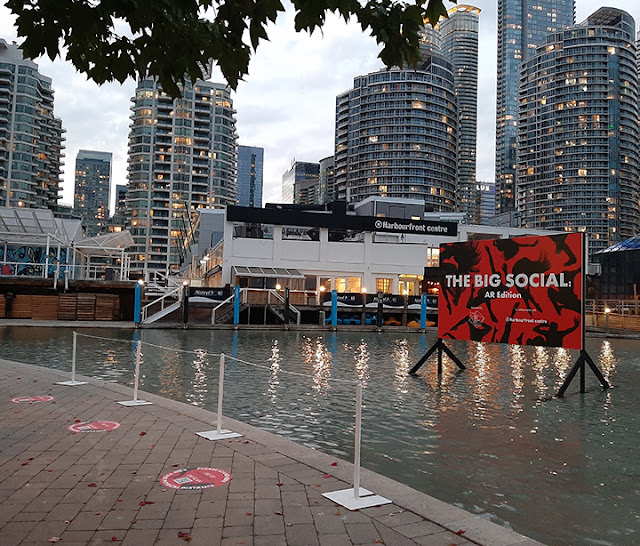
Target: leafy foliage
<point>173,39</point>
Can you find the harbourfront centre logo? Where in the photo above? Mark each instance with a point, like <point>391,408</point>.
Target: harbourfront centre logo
<point>409,226</point>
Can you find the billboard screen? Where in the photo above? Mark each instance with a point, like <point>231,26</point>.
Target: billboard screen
<point>522,291</point>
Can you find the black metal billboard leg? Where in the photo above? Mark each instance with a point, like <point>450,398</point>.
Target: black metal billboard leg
<point>596,371</point>
<point>439,346</point>
<point>453,357</point>
<point>424,358</point>
<point>580,365</point>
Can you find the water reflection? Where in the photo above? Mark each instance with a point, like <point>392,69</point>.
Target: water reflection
<point>540,365</point>
<point>400,358</point>
<point>362,363</point>
<point>199,388</point>
<point>275,359</point>
<point>518,360</point>
<point>607,360</point>
<point>316,353</point>
<point>563,362</point>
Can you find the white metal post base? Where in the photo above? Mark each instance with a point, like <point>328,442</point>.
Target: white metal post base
<point>222,435</point>
<point>346,498</point>
<point>136,403</point>
<point>72,383</point>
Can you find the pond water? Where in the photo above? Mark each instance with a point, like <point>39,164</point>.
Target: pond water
<point>492,439</point>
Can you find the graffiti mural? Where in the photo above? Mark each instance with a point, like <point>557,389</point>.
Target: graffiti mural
<point>29,261</point>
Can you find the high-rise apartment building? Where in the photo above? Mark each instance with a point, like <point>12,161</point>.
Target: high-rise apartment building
<point>182,157</point>
<point>522,26</point>
<point>250,167</point>
<point>328,190</point>
<point>31,137</point>
<point>578,134</point>
<point>92,191</point>
<point>301,183</point>
<point>397,135</point>
<point>460,46</point>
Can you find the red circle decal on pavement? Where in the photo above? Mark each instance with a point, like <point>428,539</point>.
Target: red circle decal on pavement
<point>31,399</point>
<point>94,426</point>
<point>195,478</point>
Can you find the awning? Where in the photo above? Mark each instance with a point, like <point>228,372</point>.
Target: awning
<point>108,244</point>
<point>279,272</point>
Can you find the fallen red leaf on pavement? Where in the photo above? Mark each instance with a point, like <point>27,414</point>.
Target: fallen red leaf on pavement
<point>113,539</point>
<point>78,421</point>
<point>92,485</point>
<point>460,532</point>
<point>279,484</point>
<point>144,503</point>
<point>184,536</point>
<point>30,459</point>
<point>24,464</point>
<point>327,476</point>
<point>247,514</point>
<point>54,539</point>
<point>334,464</point>
<point>143,434</point>
<point>278,513</point>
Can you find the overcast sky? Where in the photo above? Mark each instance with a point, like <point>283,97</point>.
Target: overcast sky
<point>286,104</point>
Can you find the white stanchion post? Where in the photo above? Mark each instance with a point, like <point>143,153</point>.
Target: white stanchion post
<point>350,498</point>
<point>73,381</point>
<point>219,433</point>
<point>136,378</point>
<point>356,451</point>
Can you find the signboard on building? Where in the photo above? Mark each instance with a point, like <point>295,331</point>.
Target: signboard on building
<point>214,294</point>
<point>523,291</point>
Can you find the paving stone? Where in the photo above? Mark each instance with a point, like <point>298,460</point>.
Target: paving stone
<point>362,533</point>
<point>269,525</point>
<point>301,534</point>
<point>422,528</point>
<point>140,537</point>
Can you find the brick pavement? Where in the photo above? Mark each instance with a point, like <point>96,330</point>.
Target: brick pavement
<point>103,487</point>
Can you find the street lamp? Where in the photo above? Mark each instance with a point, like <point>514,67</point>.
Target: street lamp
<point>607,312</point>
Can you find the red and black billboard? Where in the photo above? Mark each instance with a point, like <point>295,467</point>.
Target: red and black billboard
<point>522,291</point>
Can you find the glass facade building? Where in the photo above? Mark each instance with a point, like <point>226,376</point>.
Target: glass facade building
<point>397,135</point>
<point>92,191</point>
<point>328,190</point>
<point>522,26</point>
<point>460,45</point>
<point>301,183</point>
<point>578,134</point>
<point>182,157</point>
<point>31,137</point>
<point>250,168</point>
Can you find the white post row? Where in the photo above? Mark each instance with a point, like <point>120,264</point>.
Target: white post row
<point>356,498</point>
<point>219,433</point>
<point>73,381</point>
<point>136,378</point>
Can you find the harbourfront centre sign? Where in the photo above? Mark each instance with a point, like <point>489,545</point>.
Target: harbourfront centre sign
<point>303,218</point>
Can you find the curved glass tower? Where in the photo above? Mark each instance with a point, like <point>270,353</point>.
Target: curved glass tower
<point>397,135</point>
<point>460,45</point>
<point>182,157</point>
<point>578,134</point>
<point>522,25</point>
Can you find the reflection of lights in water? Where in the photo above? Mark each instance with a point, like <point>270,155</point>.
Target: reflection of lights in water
<point>110,356</point>
<point>562,362</point>
<point>274,380</point>
<point>482,385</point>
<point>199,387</point>
<point>607,361</point>
<point>321,366</point>
<point>307,349</point>
<point>362,362</point>
<point>517,374</point>
<point>400,357</point>
<point>540,364</point>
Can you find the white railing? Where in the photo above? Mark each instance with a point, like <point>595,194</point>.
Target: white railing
<point>175,294</point>
<point>221,304</point>
<point>280,299</point>
<point>59,270</point>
